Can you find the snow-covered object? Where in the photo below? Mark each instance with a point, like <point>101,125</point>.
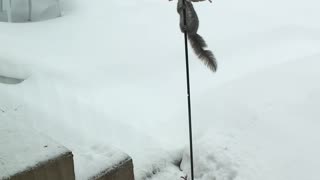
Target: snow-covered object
<point>93,161</point>
<point>17,10</point>
<point>22,149</point>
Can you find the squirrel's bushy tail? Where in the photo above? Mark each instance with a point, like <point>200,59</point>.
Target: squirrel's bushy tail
<point>198,44</point>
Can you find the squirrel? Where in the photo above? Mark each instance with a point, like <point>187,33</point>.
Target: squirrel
<point>197,42</point>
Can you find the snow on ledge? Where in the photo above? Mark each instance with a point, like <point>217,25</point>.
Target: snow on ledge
<point>92,162</point>
<point>22,149</point>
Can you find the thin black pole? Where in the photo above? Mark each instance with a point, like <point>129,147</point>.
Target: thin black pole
<point>188,89</point>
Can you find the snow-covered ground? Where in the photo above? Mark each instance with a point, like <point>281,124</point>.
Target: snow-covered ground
<point>111,73</point>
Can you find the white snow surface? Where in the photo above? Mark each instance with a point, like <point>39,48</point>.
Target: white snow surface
<point>18,147</point>
<point>112,73</point>
<point>95,160</point>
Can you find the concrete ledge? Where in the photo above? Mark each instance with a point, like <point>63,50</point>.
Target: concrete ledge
<point>60,168</point>
<point>121,171</point>
<point>102,162</point>
<point>28,155</point>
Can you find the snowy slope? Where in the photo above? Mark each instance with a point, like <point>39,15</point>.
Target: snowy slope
<point>112,73</point>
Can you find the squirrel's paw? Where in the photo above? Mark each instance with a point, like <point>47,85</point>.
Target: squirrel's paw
<point>184,28</point>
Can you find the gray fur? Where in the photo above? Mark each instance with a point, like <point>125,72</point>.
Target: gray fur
<point>197,42</point>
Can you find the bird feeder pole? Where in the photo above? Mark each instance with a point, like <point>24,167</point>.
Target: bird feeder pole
<point>188,90</point>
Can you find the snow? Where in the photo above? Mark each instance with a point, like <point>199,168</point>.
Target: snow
<point>274,116</point>
<point>110,75</point>
<point>18,147</point>
<point>92,161</point>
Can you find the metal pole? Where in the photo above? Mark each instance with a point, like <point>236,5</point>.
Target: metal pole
<point>59,8</point>
<point>30,9</point>
<point>9,13</point>
<point>1,5</point>
<point>188,89</point>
